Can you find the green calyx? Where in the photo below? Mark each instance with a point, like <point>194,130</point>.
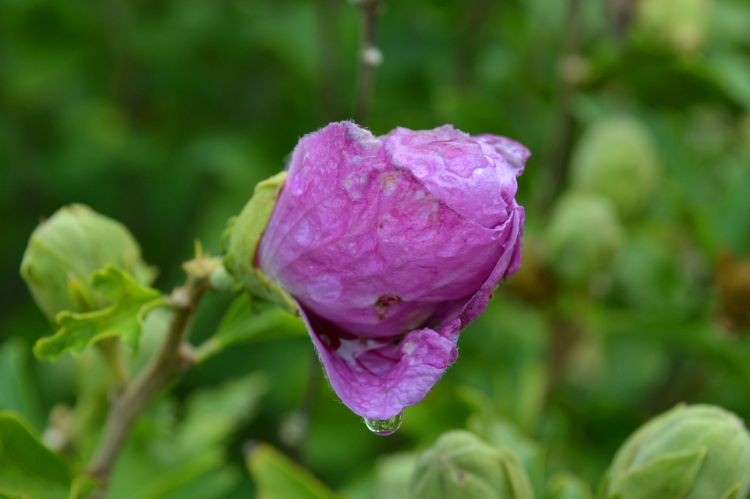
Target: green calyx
<point>460,465</point>
<point>690,452</point>
<point>241,239</point>
<point>66,250</point>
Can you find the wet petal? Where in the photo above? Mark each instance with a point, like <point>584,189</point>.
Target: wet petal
<point>376,378</point>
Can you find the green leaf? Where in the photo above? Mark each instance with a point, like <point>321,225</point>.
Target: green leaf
<point>734,493</point>
<point>131,302</point>
<point>17,389</point>
<point>27,467</point>
<point>666,478</point>
<point>277,476</point>
<point>212,414</point>
<point>731,72</point>
<point>244,322</point>
<point>178,482</point>
<point>185,457</point>
<point>517,477</point>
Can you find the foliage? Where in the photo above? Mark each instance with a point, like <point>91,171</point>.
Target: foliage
<point>164,115</point>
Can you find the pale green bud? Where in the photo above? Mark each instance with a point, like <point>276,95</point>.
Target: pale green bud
<point>241,239</point>
<point>583,236</point>
<point>461,466</point>
<point>690,452</point>
<point>566,486</point>
<point>682,25</point>
<point>616,159</point>
<point>65,250</point>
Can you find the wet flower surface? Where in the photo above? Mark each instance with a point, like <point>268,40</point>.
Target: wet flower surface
<point>392,245</point>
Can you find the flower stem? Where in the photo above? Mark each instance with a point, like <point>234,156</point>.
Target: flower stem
<point>369,58</point>
<point>562,142</point>
<point>162,369</point>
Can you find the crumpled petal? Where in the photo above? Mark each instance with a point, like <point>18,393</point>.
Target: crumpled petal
<point>515,153</point>
<point>365,244</point>
<point>391,246</point>
<point>377,378</point>
<point>451,164</point>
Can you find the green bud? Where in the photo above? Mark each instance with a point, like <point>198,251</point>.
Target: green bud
<point>241,239</point>
<point>678,24</point>
<point>566,486</point>
<point>393,475</point>
<point>690,452</point>
<point>616,159</point>
<point>65,250</point>
<point>583,236</point>
<point>461,466</point>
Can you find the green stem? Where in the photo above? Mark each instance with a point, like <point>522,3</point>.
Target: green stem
<point>112,355</point>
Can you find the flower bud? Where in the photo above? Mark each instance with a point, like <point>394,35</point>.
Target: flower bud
<point>461,466</point>
<point>566,486</point>
<point>388,247</point>
<point>65,250</point>
<point>583,237</point>
<point>617,160</point>
<point>682,25</point>
<point>689,452</point>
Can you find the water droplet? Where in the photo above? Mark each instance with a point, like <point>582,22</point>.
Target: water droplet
<point>384,427</point>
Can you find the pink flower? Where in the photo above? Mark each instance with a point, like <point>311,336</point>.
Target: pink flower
<point>391,246</point>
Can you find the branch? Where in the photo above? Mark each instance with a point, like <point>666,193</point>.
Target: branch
<point>168,362</point>
<point>571,71</point>
<point>370,57</point>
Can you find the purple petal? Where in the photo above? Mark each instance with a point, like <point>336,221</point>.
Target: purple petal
<point>451,163</point>
<point>376,378</point>
<point>392,246</point>
<point>366,245</point>
<point>515,153</point>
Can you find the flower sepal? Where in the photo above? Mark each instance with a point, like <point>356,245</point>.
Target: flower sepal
<point>241,238</point>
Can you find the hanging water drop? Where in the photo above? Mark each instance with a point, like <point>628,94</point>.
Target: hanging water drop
<point>384,427</point>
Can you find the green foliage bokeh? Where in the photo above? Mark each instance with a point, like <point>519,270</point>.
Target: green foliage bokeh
<point>164,115</point>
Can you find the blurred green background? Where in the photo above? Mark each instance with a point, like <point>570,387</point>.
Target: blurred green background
<point>634,293</point>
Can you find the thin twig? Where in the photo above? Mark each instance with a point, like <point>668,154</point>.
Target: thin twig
<point>168,362</point>
<point>370,57</point>
<point>329,67</point>
<point>563,140</point>
<point>478,13</point>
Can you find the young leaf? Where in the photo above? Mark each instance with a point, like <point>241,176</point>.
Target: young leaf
<point>18,392</point>
<point>27,467</point>
<point>130,302</point>
<point>212,414</point>
<point>277,476</point>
